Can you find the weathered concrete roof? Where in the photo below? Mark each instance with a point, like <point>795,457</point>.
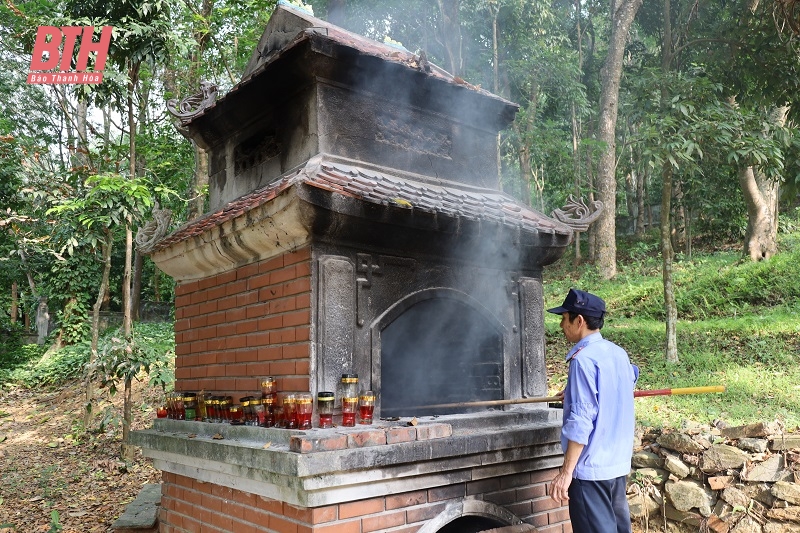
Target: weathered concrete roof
<point>289,26</point>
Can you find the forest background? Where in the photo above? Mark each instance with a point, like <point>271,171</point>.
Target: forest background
<point>680,116</point>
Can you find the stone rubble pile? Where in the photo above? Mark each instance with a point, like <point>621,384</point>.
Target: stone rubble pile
<point>717,479</point>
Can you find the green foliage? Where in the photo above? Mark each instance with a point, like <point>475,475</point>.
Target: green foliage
<point>74,320</point>
<point>142,28</point>
<point>789,224</point>
<point>708,286</point>
<point>752,356</point>
<point>150,349</point>
<point>68,284</point>
<point>10,342</point>
<point>55,525</point>
<point>697,122</point>
<point>719,287</point>
<point>64,365</point>
<point>19,355</point>
<point>107,201</point>
<point>738,327</point>
<point>170,164</point>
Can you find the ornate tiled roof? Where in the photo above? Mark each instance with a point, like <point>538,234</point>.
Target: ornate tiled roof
<point>384,189</point>
<point>473,203</point>
<point>319,29</point>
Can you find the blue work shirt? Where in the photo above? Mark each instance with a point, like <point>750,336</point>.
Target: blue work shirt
<point>598,408</point>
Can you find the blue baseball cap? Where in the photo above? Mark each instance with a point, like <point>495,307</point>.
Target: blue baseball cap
<point>582,303</point>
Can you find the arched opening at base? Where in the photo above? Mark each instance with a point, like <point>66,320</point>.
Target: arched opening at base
<point>471,516</point>
<point>471,524</point>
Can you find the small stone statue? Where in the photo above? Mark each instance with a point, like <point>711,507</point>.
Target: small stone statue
<point>42,321</point>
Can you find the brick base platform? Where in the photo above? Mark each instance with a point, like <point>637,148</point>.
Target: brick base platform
<point>188,503</point>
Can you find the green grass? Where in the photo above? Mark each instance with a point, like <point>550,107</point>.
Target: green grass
<point>739,326</point>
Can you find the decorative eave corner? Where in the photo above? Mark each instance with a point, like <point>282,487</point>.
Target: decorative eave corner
<point>154,230</point>
<point>220,243</point>
<point>192,105</point>
<point>577,215</point>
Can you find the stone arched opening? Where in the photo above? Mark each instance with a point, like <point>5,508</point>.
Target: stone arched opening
<point>470,516</point>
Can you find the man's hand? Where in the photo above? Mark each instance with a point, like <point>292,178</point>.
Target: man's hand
<point>559,487</point>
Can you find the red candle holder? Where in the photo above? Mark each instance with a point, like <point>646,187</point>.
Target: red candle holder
<point>304,408</point>
<point>366,406</point>
<point>349,406</point>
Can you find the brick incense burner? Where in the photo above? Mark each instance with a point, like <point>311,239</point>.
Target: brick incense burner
<point>356,225</point>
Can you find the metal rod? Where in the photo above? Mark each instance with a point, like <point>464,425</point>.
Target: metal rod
<point>543,399</point>
<point>684,390</point>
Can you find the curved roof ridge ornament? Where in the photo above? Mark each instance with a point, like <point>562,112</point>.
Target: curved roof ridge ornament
<point>577,215</point>
<point>193,105</point>
<point>154,230</point>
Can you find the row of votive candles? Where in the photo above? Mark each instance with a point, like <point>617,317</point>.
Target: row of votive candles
<point>280,410</point>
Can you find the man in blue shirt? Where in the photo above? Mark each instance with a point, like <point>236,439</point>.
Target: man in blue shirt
<point>597,429</point>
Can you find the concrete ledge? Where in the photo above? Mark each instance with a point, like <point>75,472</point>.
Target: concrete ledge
<point>318,467</point>
<point>141,515</point>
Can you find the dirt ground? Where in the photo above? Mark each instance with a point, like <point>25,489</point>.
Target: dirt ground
<point>48,464</point>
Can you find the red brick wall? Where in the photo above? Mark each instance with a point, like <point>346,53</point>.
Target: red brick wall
<point>186,503</point>
<point>234,327</point>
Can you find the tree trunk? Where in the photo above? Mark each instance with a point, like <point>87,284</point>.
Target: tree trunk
<point>140,169</point>
<point>197,207</point>
<point>523,131</point>
<point>28,273</point>
<point>576,168</point>
<point>451,35</point>
<point>494,9</point>
<point>525,171</point>
<point>127,325</point>
<point>759,243</point>
<point>591,235</point>
<point>136,293</point>
<point>761,198</point>
<point>679,231</point>
<point>133,76</point>
<point>576,130</point>
<point>127,450</point>
<point>82,150</point>
<point>670,307</point>
<point>156,281</point>
<point>14,302</point>
<point>640,205</point>
<point>89,387</point>
<point>622,18</point>
<point>202,35</point>
<point>630,193</point>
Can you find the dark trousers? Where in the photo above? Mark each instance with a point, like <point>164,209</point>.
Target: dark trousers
<point>599,506</point>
